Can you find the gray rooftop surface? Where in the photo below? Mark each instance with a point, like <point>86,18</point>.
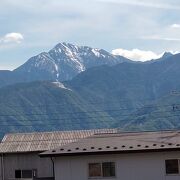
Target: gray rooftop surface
<point>120,142</point>
<point>43,141</point>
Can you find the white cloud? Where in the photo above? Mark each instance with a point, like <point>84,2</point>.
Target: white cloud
<point>174,52</point>
<point>155,4</point>
<point>136,54</point>
<point>160,38</point>
<point>12,38</point>
<point>175,26</point>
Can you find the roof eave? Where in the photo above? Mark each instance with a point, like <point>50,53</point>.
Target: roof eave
<point>22,152</point>
<point>107,152</point>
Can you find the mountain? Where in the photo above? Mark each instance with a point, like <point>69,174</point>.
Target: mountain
<point>127,88</point>
<point>162,114</point>
<point>10,77</point>
<point>62,63</point>
<point>131,96</point>
<point>164,56</point>
<point>107,94</point>
<point>47,106</point>
<point>65,61</point>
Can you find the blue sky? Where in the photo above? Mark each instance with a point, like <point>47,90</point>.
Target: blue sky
<point>29,27</point>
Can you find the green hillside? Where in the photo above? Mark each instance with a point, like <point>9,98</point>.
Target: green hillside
<point>163,114</point>
<point>131,96</point>
<point>43,106</point>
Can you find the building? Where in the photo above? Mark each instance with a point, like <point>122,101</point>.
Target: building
<point>20,152</point>
<point>119,156</point>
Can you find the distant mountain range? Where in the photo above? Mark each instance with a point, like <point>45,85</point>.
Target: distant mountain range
<point>62,63</point>
<point>131,96</point>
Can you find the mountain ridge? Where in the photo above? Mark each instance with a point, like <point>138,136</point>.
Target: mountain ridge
<point>66,60</point>
<point>100,97</point>
<point>63,62</point>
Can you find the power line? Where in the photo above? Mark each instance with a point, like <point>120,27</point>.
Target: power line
<point>72,123</point>
<point>86,112</point>
<point>66,113</point>
<point>63,104</point>
<point>78,103</point>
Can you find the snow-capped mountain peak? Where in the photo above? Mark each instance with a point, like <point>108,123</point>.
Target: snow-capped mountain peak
<point>66,60</point>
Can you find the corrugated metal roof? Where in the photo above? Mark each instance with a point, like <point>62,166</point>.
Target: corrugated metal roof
<point>42,141</point>
<point>119,143</point>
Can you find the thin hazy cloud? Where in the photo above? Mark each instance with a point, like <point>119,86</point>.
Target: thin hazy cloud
<point>176,26</point>
<point>160,38</point>
<point>142,3</point>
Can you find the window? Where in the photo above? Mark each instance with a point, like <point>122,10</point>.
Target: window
<point>105,169</point>
<point>108,169</point>
<point>95,170</point>
<point>25,174</point>
<point>17,173</point>
<point>172,166</point>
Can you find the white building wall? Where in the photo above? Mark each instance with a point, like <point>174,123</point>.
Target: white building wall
<point>137,166</point>
<point>26,161</point>
<point>1,178</point>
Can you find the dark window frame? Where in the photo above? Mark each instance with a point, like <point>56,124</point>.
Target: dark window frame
<point>27,174</point>
<point>172,170</point>
<point>23,173</point>
<point>18,174</point>
<point>110,166</point>
<point>104,174</point>
<point>89,170</point>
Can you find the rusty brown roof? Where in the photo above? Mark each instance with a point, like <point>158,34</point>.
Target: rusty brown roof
<point>43,141</point>
<point>119,143</point>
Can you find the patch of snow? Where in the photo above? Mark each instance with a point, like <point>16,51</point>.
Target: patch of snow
<point>96,52</point>
<point>57,70</point>
<point>81,67</point>
<point>59,50</point>
<point>60,85</point>
<point>57,75</point>
<point>73,56</point>
<point>76,47</point>
<point>78,64</point>
<point>103,55</point>
<point>69,52</point>
<point>56,67</point>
